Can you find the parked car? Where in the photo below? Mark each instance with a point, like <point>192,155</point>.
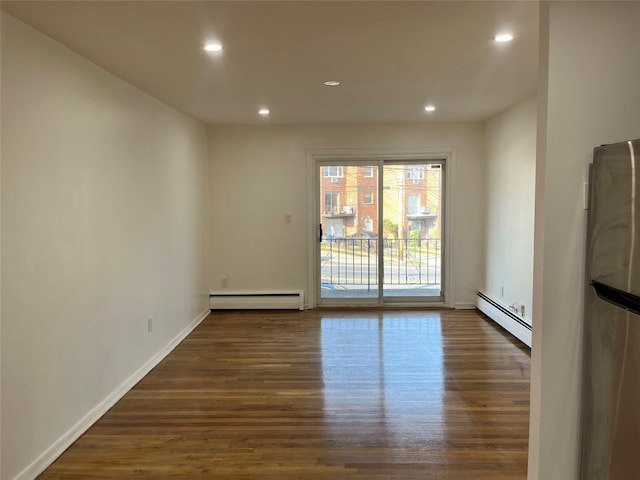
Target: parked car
<point>364,236</point>
<point>362,240</point>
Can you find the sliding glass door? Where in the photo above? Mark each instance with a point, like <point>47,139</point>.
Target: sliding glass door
<point>380,232</point>
<point>348,232</point>
<point>412,225</point>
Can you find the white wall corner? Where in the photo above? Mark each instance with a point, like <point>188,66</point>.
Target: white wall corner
<point>49,456</point>
<point>465,306</point>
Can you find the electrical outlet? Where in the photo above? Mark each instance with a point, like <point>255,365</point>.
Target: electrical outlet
<point>287,218</point>
<point>502,292</point>
<point>150,324</point>
<point>224,282</point>
<point>522,310</point>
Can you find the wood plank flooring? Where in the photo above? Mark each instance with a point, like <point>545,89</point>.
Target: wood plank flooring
<point>321,395</point>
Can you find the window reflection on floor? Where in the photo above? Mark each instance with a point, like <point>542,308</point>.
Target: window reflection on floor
<point>389,368</point>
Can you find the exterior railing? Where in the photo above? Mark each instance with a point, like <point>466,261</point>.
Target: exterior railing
<point>407,261</point>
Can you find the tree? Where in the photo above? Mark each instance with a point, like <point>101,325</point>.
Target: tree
<point>390,228</point>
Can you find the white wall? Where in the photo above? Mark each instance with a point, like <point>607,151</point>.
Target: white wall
<point>510,139</point>
<point>260,173</point>
<point>589,95</point>
<point>104,214</point>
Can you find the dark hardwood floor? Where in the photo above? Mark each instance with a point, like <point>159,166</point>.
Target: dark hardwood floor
<point>321,395</point>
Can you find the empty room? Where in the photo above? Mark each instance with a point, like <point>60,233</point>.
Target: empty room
<point>308,239</point>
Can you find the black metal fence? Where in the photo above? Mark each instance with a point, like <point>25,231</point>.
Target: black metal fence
<point>407,261</point>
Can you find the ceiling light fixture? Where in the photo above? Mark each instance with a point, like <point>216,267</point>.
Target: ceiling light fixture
<point>213,47</point>
<point>332,83</point>
<point>430,108</point>
<point>503,37</point>
<point>264,112</point>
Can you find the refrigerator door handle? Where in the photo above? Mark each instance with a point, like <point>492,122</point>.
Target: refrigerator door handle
<point>617,297</point>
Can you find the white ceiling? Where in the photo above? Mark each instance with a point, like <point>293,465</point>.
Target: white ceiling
<point>392,57</point>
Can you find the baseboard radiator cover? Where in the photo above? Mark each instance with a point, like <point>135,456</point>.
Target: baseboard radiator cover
<point>508,320</point>
<point>289,300</point>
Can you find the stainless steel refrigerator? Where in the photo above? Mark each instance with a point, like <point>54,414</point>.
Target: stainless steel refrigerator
<point>611,377</point>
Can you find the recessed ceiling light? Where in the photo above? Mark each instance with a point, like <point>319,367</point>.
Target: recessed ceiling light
<point>503,37</point>
<point>430,108</point>
<point>332,83</point>
<point>264,112</point>
<point>213,47</point>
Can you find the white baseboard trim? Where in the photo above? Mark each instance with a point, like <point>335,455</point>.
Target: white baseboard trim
<point>59,446</point>
<point>502,316</point>
<point>464,306</point>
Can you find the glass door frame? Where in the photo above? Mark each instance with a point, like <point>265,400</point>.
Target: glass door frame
<point>385,298</point>
<point>319,158</point>
<point>349,301</point>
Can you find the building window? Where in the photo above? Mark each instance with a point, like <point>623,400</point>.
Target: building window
<point>413,206</point>
<point>368,198</point>
<point>415,173</point>
<point>331,203</point>
<point>368,172</point>
<point>333,172</point>
<point>416,225</point>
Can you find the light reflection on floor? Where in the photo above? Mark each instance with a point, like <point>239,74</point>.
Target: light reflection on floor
<point>389,368</point>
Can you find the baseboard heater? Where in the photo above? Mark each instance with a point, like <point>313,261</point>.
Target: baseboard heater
<point>504,317</point>
<point>293,300</point>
